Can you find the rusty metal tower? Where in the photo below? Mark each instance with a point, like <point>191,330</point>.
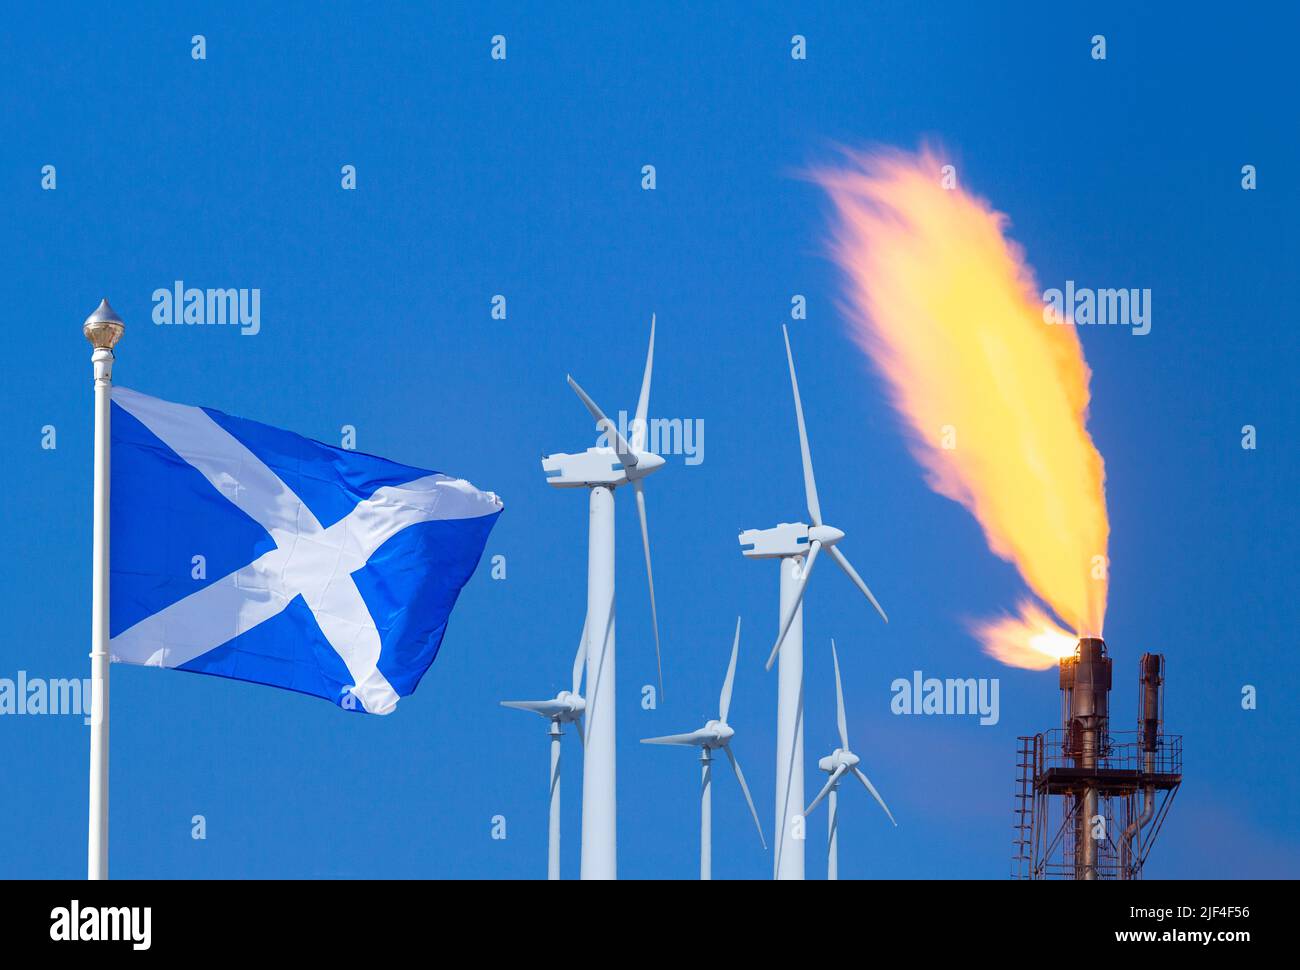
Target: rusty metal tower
<point>1089,803</point>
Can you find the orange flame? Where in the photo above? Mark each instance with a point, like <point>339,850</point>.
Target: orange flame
<point>995,398</point>
<point>1032,639</point>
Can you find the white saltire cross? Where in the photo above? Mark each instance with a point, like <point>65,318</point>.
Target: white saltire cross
<point>308,559</point>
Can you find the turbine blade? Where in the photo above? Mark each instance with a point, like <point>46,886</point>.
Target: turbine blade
<point>544,708</point>
<point>619,443</point>
<point>740,777</point>
<point>640,429</point>
<point>826,790</point>
<point>639,488</point>
<point>724,700</point>
<point>839,701</point>
<point>847,566</point>
<point>813,548</point>
<point>580,659</point>
<point>874,794</point>
<point>809,483</point>
<point>580,729</point>
<point>690,740</point>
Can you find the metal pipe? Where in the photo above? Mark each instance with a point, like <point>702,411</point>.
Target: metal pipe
<point>1087,866</point>
<point>1151,678</point>
<point>1126,840</point>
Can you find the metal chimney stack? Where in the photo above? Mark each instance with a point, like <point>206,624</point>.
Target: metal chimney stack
<point>1085,685</point>
<point>1152,680</point>
<point>1088,804</point>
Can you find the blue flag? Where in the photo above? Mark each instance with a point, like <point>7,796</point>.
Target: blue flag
<point>244,551</point>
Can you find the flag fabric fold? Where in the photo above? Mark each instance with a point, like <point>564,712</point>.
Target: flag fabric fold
<point>244,551</point>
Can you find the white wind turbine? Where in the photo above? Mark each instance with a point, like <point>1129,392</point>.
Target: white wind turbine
<point>715,734</point>
<point>796,545</point>
<point>601,470</point>
<point>566,707</point>
<point>836,764</point>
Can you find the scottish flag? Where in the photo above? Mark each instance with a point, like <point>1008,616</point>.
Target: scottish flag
<point>245,551</point>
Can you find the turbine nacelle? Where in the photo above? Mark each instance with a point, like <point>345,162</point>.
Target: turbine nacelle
<point>839,758</point>
<point>715,734</point>
<point>575,704</point>
<point>778,542</point>
<point>597,466</point>
<point>787,539</point>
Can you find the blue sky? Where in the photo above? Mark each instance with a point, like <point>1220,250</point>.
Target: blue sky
<point>477,177</point>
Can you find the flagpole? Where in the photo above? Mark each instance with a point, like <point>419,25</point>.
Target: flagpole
<point>103,329</point>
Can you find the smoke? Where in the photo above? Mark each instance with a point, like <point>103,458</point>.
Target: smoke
<point>994,399</point>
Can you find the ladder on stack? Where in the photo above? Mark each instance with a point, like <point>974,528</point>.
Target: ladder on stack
<point>1023,826</point>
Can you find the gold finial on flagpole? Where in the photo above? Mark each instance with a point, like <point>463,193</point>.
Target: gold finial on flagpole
<point>104,327</point>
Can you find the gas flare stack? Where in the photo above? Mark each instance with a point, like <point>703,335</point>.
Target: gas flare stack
<point>1089,804</point>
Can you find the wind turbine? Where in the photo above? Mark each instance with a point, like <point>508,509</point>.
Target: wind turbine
<point>601,470</point>
<point>796,545</point>
<point>836,764</point>
<point>566,707</point>
<point>715,734</point>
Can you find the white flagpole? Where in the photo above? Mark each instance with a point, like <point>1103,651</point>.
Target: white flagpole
<point>103,329</point>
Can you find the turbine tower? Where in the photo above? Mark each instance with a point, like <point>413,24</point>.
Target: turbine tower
<point>796,545</point>
<point>566,707</point>
<point>836,764</point>
<point>601,470</point>
<point>715,734</point>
